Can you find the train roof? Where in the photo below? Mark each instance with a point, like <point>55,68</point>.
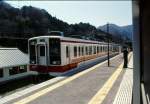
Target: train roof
<point>69,39</point>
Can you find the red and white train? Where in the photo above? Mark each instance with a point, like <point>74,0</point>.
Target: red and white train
<point>57,54</point>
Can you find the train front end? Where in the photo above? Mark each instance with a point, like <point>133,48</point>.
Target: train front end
<point>44,54</point>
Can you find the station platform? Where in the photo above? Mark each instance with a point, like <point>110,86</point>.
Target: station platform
<point>99,84</point>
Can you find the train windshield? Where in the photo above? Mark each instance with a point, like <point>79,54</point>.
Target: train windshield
<point>32,51</point>
<point>54,51</point>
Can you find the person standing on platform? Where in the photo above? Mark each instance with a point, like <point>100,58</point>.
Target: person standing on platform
<point>125,55</point>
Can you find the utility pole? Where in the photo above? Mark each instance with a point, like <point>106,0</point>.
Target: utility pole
<point>108,44</point>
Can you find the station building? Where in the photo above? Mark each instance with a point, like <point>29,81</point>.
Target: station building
<point>13,64</point>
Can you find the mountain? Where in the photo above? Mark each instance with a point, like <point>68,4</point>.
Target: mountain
<point>124,32</point>
<point>129,30</point>
<point>28,21</point>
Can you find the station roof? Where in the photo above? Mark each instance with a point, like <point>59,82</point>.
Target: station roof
<point>12,57</point>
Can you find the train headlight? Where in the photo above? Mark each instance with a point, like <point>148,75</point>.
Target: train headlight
<point>54,62</point>
<point>32,62</point>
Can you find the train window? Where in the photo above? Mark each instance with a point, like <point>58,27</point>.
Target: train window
<point>114,48</point>
<point>79,51</point>
<point>67,51</point>
<point>1,73</point>
<point>86,49</point>
<point>105,48</point>
<point>90,50</point>
<point>23,68</point>
<point>101,48</point>
<point>54,51</point>
<point>94,49</point>
<point>75,51</point>
<point>82,51</point>
<point>42,50</point>
<point>97,49</point>
<point>109,48</point>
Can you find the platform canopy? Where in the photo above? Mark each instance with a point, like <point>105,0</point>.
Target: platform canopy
<point>10,57</point>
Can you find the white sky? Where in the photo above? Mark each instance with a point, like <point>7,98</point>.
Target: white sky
<point>94,12</point>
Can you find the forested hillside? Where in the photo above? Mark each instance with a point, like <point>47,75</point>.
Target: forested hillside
<point>29,21</point>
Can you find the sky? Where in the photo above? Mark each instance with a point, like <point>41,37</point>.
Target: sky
<point>96,13</point>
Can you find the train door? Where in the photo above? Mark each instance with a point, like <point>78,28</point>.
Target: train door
<point>67,54</point>
<point>41,54</point>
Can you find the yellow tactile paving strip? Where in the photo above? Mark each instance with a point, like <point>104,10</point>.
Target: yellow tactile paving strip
<point>102,93</point>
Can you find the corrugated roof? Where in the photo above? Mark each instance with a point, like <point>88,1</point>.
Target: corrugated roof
<point>12,57</point>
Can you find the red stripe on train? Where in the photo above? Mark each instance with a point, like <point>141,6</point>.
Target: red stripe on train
<point>47,69</point>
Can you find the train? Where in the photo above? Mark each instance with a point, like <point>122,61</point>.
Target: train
<point>56,54</point>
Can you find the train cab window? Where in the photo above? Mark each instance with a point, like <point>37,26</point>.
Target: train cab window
<point>32,52</point>
<point>67,51</point>
<point>75,51</point>
<point>1,73</point>
<point>42,50</point>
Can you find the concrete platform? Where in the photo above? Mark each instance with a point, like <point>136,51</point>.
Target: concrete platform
<point>81,88</point>
<point>124,94</point>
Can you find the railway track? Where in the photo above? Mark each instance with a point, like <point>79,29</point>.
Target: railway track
<point>15,85</point>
